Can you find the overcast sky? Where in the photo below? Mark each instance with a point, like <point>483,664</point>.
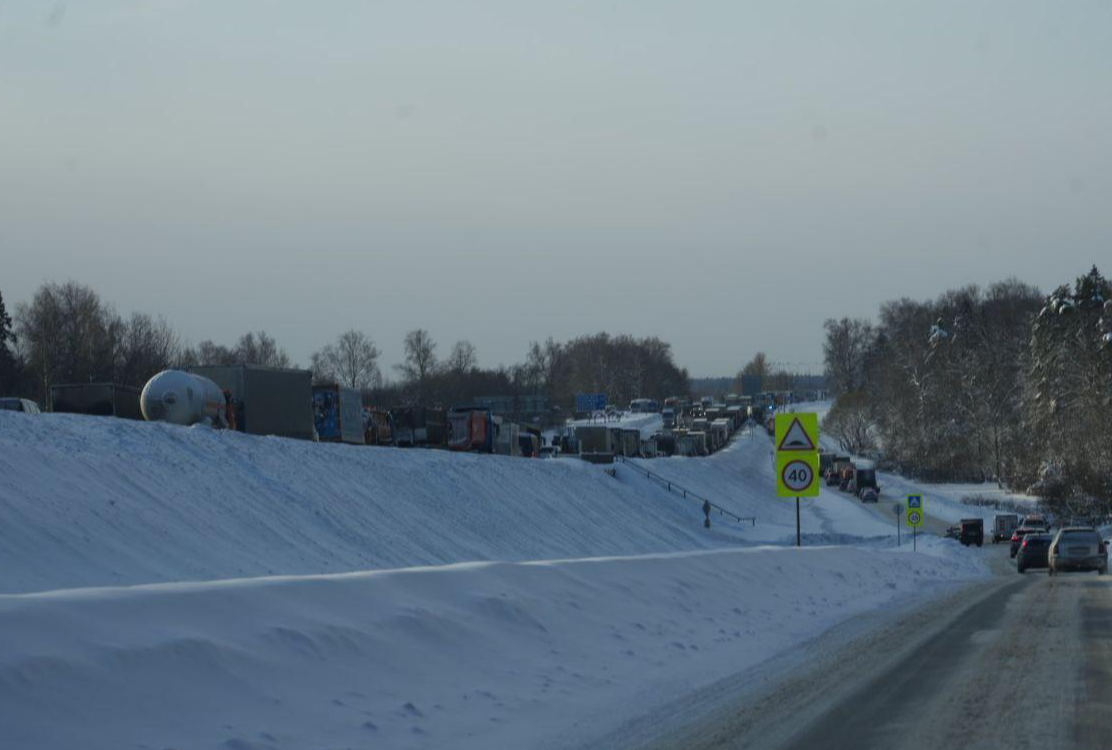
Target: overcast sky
<point>724,175</point>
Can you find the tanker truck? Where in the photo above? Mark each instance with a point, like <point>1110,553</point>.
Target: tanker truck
<point>184,398</point>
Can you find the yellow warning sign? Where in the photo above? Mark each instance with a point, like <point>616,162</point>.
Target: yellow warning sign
<point>797,432</point>
<point>797,474</point>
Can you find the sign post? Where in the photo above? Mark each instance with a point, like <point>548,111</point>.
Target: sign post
<point>914,517</point>
<point>898,510</point>
<point>797,460</point>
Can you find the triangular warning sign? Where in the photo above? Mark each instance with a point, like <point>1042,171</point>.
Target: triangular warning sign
<point>796,438</point>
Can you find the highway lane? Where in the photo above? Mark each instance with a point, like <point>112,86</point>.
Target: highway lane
<point>1018,662</point>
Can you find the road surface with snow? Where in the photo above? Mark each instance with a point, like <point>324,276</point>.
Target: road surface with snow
<point>1021,661</point>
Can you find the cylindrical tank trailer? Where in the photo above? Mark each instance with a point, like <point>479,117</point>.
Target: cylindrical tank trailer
<point>183,398</point>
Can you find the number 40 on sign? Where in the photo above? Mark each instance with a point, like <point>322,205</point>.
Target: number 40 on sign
<point>797,476</point>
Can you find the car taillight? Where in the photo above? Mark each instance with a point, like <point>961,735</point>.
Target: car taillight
<point>1025,540</point>
<point>1015,537</point>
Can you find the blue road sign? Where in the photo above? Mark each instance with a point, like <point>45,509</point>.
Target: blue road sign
<point>589,402</point>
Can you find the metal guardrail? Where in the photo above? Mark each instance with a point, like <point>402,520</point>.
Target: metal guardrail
<point>686,493</point>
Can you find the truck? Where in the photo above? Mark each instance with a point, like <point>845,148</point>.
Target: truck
<point>267,400</point>
<point>669,417</point>
<point>972,532</point>
<point>410,426</point>
<point>338,414</point>
<point>97,399</point>
<point>595,443</point>
<point>631,442</point>
<point>471,428</point>
<point>378,427</point>
<point>507,437</point>
<point>1003,526</point>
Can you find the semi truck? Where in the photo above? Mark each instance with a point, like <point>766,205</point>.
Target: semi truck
<point>338,414</point>
<point>268,400</point>
<point>98,399</point>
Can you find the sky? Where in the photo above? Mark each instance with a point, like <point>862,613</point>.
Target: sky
<point>722,174</point>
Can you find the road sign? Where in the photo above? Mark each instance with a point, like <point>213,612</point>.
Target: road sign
<point>914,502</point>
<point>590,402</point>
<point>915,518</point>
<point>797,474</point>
<point>797,433</point>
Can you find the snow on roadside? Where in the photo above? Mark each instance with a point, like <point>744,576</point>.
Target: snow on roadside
<point>478,655</point>
<point>93,501</point>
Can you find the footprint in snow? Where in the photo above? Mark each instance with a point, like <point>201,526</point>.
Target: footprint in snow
<point>410,710</point>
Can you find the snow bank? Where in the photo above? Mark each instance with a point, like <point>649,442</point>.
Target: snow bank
<point>481,655</point>
<point>95,501</point>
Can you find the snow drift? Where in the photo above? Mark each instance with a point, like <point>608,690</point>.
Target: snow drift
<point>481,655</point>
<point>90,501</point>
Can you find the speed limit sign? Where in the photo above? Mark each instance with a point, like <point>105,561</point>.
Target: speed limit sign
<point>797,476</point>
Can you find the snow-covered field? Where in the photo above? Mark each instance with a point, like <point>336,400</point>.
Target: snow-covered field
<point>327,596</point>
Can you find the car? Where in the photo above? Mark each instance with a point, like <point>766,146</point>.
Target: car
<point>25,405</point>
<point>1033,552</point>
<point>972,531</point>
<point>1022,531</point>
<point>1078,548</point>
<point>1035,521</point>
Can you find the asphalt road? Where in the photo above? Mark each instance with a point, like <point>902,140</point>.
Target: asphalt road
<point>1019,662</point>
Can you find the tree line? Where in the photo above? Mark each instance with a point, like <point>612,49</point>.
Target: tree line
<point>1002,383</point>
<point>66,333</point>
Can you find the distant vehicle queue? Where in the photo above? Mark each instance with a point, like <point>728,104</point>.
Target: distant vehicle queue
<point>285,402</point>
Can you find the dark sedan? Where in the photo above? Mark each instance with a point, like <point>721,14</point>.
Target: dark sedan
<point>1033,551</point>
<point>1017,537</point>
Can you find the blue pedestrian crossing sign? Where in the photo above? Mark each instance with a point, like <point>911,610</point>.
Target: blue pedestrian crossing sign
<point>914,502</point>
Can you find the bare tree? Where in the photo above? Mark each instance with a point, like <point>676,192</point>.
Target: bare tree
<point>67,334</point>
<point>260,349</point>
<point>847,341</point>
<point>757,366</point>
<point>147,346</point>
<point>463,357</point>
<point>352,360</point>
<point>849,423</point>
<point>420,360</point>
